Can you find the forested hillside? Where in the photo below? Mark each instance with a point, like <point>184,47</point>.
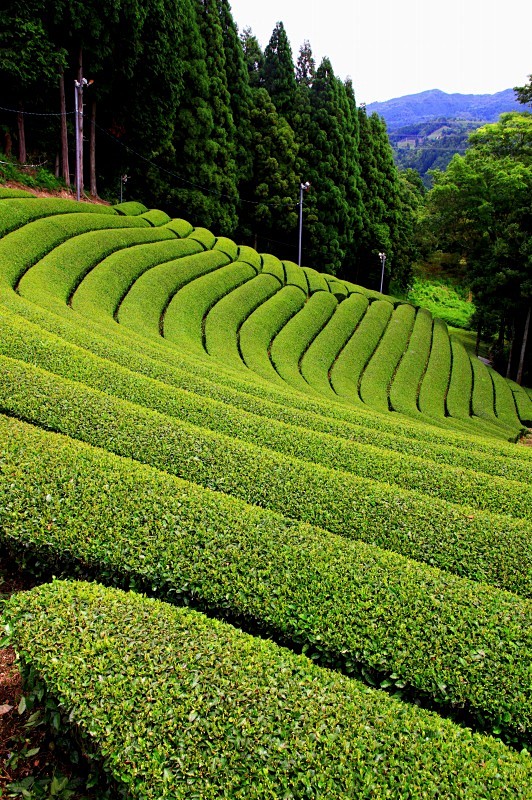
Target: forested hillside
<point>182,111</point>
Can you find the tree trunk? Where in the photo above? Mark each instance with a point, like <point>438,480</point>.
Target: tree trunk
<point>519,377</point>
<point>479,335</point>
<point>8,144</point>
<point>21,137</point>
<point>65,168</point>
<point>92,151</point>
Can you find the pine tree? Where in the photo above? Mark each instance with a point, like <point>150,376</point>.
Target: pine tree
<point>305,66</point>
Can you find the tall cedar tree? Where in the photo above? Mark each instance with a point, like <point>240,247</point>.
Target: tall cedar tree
<point>271,217</point>
<point>329,221</point>
<point>278,72</point>
<point>253,57</point>
<point>380,193</point>
<point>220,155</point>
<point>239,90</point>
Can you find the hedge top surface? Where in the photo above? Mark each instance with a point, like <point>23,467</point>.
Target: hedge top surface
<point>216,713</point>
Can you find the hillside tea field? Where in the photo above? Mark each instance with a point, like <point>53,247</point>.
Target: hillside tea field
<point>290,517</point>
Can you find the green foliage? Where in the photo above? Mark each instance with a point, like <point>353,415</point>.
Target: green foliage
<point>443,299</point>
<point>189,671</point>
<point>376,379</point>
<point>346,372</point>
<point>291,343</point>
<point>282,483</point>
<point>223,322</point>
<point>406,381</point>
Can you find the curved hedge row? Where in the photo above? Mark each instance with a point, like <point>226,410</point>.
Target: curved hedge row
<point>147,300</point>
<point>505,409</point>
<point>482,546</point>
<point>483,397</point>
<point>155,217</point>
<point>433,390</point>
<point>150,357</point>
<point>203,236</point>
<point>130,208</point>
<point>19,212</point>
<point>292,341</point>
<point>104,287</point>
<point>186,311</point>
<point>272,266</point>
<point>250,256</point>
<point>405,385</point>
<point>22,248</point>
<point>378,375</point>
<point>416,473</point>
<point>316,281</point>
<point>227,246</point>
<point>280,726</point>
<point>349,366</point>
<point>57,275</point>
<point>318,360</point>
<point>295,276</point>
<point>349,605</point>
<point>223,322</point>
<point>258,331</point>
<point>461,383</point>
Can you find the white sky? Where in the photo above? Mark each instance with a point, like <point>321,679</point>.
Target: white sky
<point>395,47</point>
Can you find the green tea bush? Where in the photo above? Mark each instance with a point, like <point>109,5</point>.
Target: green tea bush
<point>292,341</point>
<point>376,378</point>
<point>260,328</point>
<point>186,311</point>
<point>336,287</point>
<point>272,266</point>
<point>22,248</point>
<point>435,382</point>
<point>458,399</point>
<point>405,385</point>
<point>505,409</point>
<point>318,360</point>
<point>347,371</point>
<point>57,275</point>
<point>216,713</point>
<point>130,208</point>
<point>316,281</point>
<point>523,402</point>
<point>203,236</point>
<point>417,472</point>
<point>155,217</point>
<point>144,307</point>
<point>102,290</point>
<point>483,396</point>
<point>19,212</point>
<point>223,322</point>
<point>482,546</point>
<point>250,256</point>
<point>295,276</point>
<point>227,246</point>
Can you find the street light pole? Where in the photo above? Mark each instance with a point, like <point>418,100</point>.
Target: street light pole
<point>382,257</point>
<point>303,187</point>
<point>78,109</point>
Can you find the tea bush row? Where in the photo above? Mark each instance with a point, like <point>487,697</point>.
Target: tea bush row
<point>379,372</point>
<point>485,547</point>
<point>216,713</point>
<point>404,388</point>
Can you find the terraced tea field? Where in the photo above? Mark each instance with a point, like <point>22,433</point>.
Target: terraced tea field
<point>318,488</point>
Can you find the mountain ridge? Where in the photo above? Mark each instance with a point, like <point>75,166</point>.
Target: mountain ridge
<point>435,103</point>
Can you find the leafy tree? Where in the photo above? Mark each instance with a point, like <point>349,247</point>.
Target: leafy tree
<point>480,208</point>
<point>524,93</point>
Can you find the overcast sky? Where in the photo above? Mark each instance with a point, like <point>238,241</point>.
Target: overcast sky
<point>395,47</point>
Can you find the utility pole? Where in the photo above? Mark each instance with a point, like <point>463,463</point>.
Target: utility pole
<point>303,187</point>
<point>78,108</point>
<point>382,257</point>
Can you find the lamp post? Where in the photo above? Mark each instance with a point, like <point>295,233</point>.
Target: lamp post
<point>78,108</point>
<point>303,187</point>
<point>382,257</point>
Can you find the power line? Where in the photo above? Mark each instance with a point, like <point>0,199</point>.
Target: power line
<point>38,113</point>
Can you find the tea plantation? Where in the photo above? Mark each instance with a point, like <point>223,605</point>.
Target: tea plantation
<point>288,517</point>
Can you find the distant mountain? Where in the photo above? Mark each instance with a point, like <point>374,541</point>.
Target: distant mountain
<point>433,104</point>
<point>428,128</point>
